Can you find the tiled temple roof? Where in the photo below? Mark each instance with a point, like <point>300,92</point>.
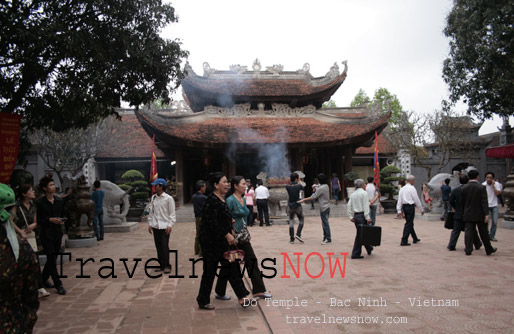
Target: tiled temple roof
<point>128,139</point>
<point>227,88</point>
<point>335,127</point>
<point>384,147</point>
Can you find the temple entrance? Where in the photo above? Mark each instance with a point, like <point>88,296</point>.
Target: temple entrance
<point>248,165</point>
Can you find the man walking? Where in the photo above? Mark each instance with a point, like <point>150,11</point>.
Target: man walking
<point>50,217</point>
<point>160,221</point>
<point>295,208</point>
<point>446,190</point>
<point>98,198</point>
<point>374,197</point>
<point>475,215</point>
<point>407,201</point>
<point>358,211</point>
<point>456,202</point>
<point>323,196</point>
<point>198,200</point>
<point>262,195</point>
<point>494,189</point>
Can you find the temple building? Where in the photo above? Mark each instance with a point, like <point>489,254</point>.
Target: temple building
<point>248,122</point>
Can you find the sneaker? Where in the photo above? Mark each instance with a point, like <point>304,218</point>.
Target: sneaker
<point>326,242</point>
<point>299,238</point>
<point>493,239</point>
<point>43,293</point>
<point>291,241</point>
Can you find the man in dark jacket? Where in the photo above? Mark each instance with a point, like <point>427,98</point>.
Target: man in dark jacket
<point>475,213</point>
<point>456,202</point>
<point>295,208</point>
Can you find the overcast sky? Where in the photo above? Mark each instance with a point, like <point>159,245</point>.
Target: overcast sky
<point>396,44</point>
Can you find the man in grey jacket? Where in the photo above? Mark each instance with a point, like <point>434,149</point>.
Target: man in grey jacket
<point>323,196</point>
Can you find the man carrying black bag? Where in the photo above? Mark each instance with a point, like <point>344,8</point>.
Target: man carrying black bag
<point>358,211</point>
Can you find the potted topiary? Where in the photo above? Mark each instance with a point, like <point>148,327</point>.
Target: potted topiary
<point>387,176</point>
<point>350,177</point>
<point>138,188</point>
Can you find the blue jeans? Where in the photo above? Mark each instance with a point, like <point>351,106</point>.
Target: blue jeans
<point>99,220</point>
<point>446,209</point>
<point>493,216</point>
<point>324,224</point>
<point>373,213</point>
<point>335,194</point>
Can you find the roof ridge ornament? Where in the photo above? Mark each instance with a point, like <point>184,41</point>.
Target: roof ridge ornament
<point>238,69</point>
<point>305,69</point>
<point>256,68</point>
<point>207,70</point>
<point>275,69</point>
<point>334,71</point>
<point>345,63</point>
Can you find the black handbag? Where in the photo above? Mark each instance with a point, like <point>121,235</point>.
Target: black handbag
<point>449,222</point>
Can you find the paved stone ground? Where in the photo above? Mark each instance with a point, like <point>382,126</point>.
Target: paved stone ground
<point>481,285</point>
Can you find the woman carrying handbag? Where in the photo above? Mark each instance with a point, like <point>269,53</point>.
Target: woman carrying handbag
<point>26,221</point>
<point>215,239</point>
<point>237,206</point>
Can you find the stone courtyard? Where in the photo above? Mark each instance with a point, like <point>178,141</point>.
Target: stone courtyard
<point>423,288</point>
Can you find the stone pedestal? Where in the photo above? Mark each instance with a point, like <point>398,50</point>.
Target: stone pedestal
<point>81,243</point>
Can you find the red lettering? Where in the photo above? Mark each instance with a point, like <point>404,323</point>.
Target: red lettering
<point>296,272</point>
<point>322,262</point>
<point>337,264</point>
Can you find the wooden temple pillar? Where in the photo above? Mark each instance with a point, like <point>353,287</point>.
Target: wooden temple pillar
<point>179,176</point>
<point>348,154</point>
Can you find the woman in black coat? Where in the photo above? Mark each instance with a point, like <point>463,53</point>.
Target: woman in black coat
<point>216,235</point>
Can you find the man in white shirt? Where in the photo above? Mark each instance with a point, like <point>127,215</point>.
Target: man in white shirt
<point>358,211</point>
<point>261,196</point>
<point>407,201</point>
<point>160,221</point>
<point>493,190</point>
<point>374,198</point>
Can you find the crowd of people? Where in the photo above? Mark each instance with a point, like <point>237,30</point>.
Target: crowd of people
<point>32,225</point>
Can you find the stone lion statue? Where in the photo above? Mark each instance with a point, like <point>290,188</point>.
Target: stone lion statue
<point>116,203</point>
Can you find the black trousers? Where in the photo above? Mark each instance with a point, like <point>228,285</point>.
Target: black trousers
<point>252,270</point>
<point>161,240</point>
<point>454,236</point>
<point>409,211</point>
<point>357,246</point>
<point>262,209</point>
<point>251,217</point>
<point>228,270</point>
<point>52,247</point>
<point>484,235</point>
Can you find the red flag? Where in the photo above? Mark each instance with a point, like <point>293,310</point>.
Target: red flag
<point>153,166</point>
<point>376,164</point>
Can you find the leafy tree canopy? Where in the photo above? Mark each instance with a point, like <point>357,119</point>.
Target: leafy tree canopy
<point>329,104</point>
<point>384,101</point>
<point>70,63</point>
<point>480,64</point>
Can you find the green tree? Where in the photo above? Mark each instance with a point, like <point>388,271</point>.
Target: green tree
<point>361,99</point>
<point>70,63</point>
<point>480,65</point>
<point>329,104</point>
<point>384,101</point>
